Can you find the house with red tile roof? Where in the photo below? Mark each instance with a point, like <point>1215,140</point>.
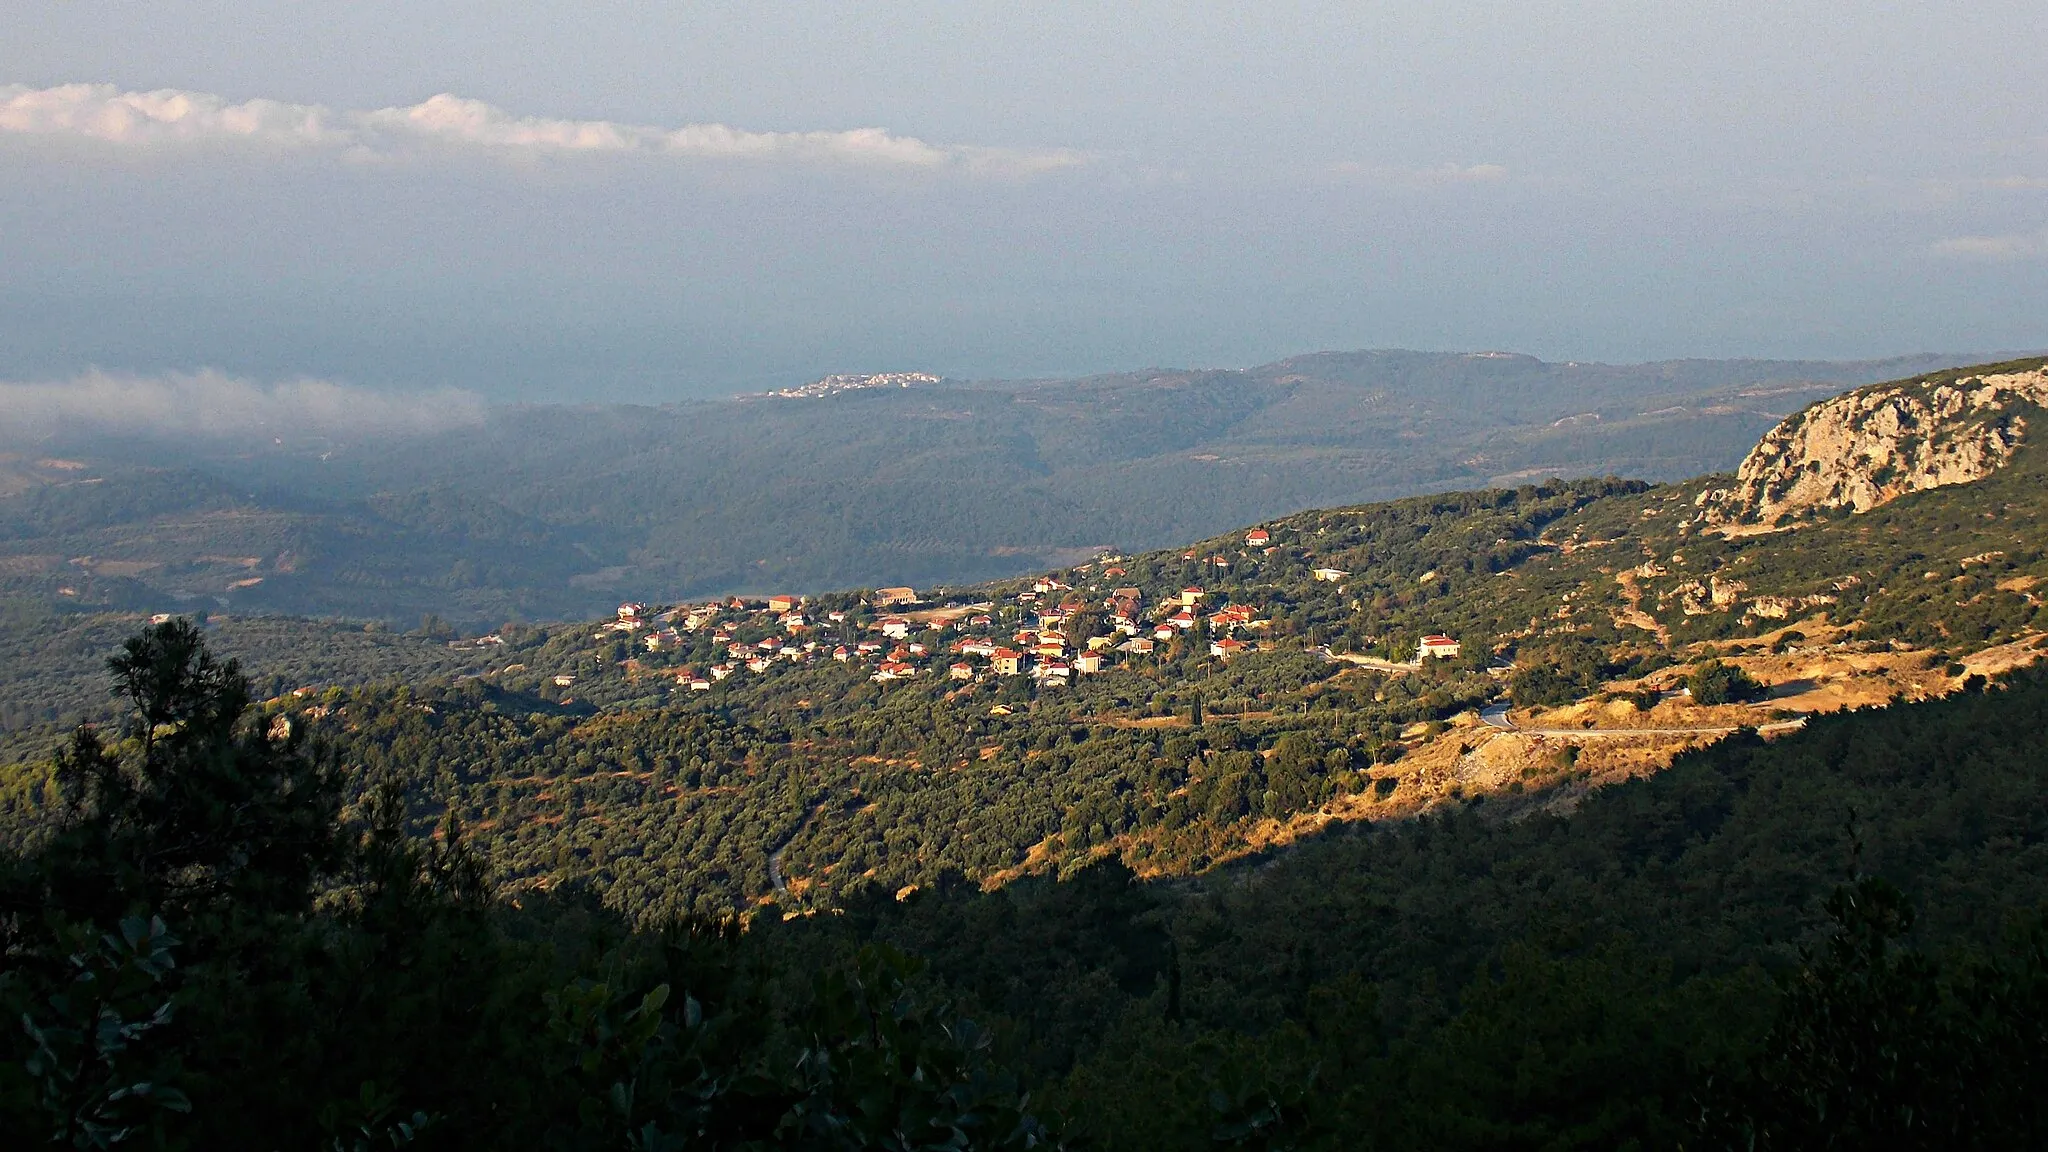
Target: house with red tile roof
<point>1442,647</point>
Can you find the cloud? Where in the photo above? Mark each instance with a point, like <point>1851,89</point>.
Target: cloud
<point>170,118</point>
<point>212,404</point>
<point>1454,172</point>
<point>2006,247</point>
<point>1441,174</point>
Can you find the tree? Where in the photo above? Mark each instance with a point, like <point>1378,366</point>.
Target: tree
<point>1714,682</point>
<point>199,806</point>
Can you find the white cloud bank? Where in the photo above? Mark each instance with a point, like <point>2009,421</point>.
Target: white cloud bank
<point>171,118</point>
<point>2010,246</point>
<point>213,404</point>
<point>1441,174</point>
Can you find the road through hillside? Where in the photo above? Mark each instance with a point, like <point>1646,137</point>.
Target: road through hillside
<point>1496,716</point>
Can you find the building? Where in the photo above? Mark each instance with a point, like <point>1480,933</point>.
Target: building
<point>1329,575</point>
<point>1257,538</point>
<point>783,603</point>
<point>886,597</point>
<point>1225,647</point>
<point>1088,663</point>
<point>1008,662</point>
<point>961,671</point>
<point>1433,645</point>
<point>1190,596</point>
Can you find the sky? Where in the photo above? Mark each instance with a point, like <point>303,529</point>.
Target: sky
<point>598,201</point>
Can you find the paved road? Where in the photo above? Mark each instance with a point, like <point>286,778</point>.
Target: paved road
<point>775,876</point>
<point>1368,661</point>
<point>1496,716</point>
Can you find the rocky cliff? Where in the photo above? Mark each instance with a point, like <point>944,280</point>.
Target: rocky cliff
<point>1865,448</point>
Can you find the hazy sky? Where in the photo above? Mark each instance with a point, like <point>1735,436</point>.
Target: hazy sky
<point>588,199</point>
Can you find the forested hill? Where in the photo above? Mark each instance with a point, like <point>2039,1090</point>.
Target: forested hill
<point>1830,939</point>
<point>557,512</point>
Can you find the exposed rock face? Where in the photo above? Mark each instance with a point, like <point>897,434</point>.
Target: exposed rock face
<point>1867,447</point>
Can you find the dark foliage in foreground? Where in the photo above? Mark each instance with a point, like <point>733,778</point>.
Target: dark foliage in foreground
<point>219,940</point>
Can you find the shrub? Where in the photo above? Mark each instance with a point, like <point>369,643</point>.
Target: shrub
<point>1717,683</point>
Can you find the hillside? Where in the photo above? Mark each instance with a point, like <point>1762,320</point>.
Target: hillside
<point>1182,707</point>
<point>1545,815</point>
<point>558,512</point>
<point>1717,954</point>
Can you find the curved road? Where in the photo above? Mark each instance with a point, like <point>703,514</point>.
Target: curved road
<point>775,876</point>
<point>1496,716</point>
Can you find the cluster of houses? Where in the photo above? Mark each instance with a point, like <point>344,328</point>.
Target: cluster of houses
<point>1051,632</point>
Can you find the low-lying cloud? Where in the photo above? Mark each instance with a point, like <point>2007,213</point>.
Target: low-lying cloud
<point>171,118</point>
<point>212,404</point>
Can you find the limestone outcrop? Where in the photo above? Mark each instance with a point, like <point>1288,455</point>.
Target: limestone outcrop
<point>1865,448</point>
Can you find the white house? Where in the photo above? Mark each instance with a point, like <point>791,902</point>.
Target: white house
<point>1434,645</point>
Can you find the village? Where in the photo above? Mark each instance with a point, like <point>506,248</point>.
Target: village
<point>1081,622</point>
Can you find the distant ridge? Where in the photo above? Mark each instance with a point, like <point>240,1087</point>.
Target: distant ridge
<point>874,479</point>
<point>852,382</point>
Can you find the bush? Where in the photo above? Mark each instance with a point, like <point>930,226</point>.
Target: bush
<point>1716,683</point>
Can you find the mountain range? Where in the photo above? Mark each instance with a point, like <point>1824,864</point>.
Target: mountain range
<point>551,512</point>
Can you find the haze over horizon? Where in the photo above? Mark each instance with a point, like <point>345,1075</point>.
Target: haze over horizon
<point>621,206</point>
